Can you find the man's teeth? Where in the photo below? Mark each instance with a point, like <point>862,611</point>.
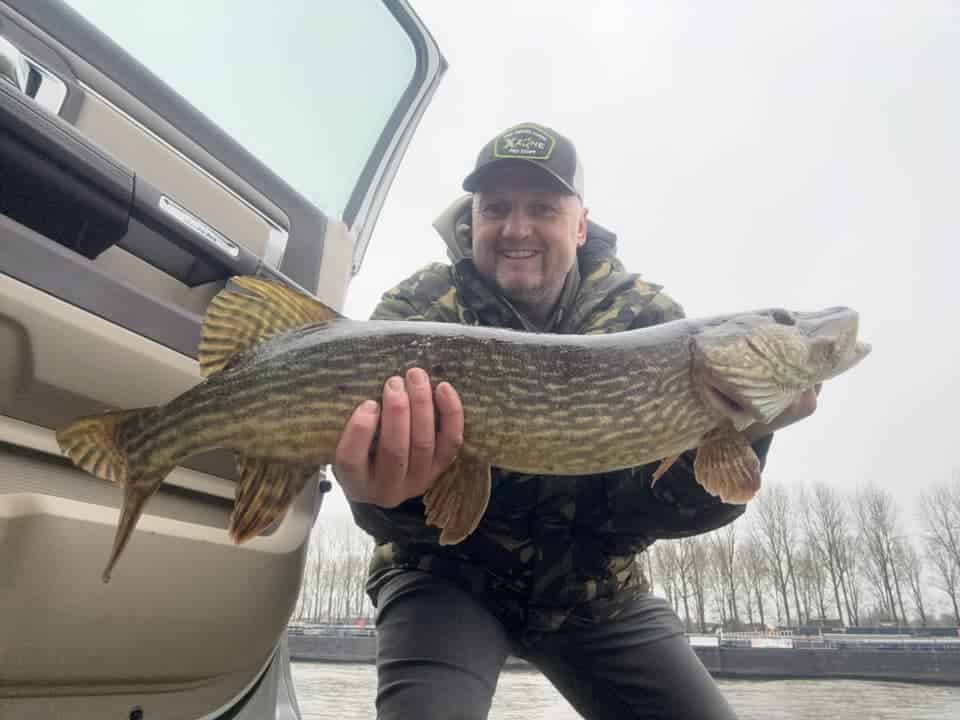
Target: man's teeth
<point>519,253</point>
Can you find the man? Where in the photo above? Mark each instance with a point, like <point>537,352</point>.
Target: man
<point>551,573</point>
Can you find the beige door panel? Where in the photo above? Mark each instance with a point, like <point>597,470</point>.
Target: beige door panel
<point>58,361</point>
<point>135,146</point>
<point>129,637</point>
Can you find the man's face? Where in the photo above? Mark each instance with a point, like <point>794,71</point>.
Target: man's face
<point>525,236</point>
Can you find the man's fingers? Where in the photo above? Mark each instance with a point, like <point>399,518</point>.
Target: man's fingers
<point>806,404</point>
<point>423,431</point>
<point>352,458</point>
<point>412,449</point>
<point>450,437</point>
<point>393,446</point>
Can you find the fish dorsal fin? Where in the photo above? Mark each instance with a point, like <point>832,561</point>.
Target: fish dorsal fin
<point>238,321</point>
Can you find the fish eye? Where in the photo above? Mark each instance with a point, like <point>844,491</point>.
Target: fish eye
<point>783,317</point>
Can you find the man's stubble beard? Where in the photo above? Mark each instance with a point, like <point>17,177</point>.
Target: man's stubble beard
<point>535,302</point>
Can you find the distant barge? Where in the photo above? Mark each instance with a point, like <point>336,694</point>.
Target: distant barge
<point>897,658</point>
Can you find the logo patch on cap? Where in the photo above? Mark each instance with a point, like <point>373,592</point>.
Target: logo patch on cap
<point>524,142</point>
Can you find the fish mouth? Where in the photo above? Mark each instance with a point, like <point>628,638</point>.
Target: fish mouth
<point>833,322</point>
<point>857,353</point>
<point>840,326</point>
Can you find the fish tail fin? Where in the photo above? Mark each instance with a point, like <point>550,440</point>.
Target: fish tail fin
<point>265,491</point>
<point>95,444</point>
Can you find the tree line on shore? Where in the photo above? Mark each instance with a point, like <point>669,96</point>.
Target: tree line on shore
<point>811,556</point>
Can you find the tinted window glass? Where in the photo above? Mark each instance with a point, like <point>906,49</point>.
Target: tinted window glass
<point>305,86</point>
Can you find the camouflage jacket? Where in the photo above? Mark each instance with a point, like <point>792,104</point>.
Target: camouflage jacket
<point>548,548</point>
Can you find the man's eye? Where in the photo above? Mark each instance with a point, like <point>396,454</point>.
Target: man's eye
<point>542,209</point>
<point>495,210</point>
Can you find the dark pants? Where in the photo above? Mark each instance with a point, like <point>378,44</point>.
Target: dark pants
<point>441,652</point>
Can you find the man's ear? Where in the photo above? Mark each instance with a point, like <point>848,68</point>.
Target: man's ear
<point>582,227</point>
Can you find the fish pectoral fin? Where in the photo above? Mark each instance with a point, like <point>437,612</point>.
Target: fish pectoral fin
<point>726,466</point>
<point>458,498</point>
<point>265,491</point>
<point>769,407</point>
<point>238,321</point>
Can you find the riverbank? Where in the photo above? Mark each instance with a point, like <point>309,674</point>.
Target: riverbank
<point>933,662</point>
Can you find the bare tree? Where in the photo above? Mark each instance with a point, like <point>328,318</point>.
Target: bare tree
<point>948,576</point>
<point>909,559</point>
<point>697,557</point>
<point>308,602</point>
<point>756,575</point>
<point>798,560</point>
<point>334,577</point>
<point>743,591</point>
<point>775,527</point>
<point>687,568</point>
<point>717,594</point>
<point>940,510</point>
<point>878,529</point>
<point>813,584</point>
<point>665,558</point>
<point>826,530</point>
<point>681,571</point>
<point>724,550</point>
<point>852,585</point>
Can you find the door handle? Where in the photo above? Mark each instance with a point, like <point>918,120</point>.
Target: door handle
<point>13,65</point>
<point>31,78</point>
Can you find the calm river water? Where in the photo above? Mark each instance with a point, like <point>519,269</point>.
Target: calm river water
<point>328,691</point>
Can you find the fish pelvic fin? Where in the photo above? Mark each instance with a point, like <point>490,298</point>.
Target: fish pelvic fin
<point>238,321</point>
<point>455,503</point>
<point>727,467</point>
<point>95,444</point>
<point>662,468</point>
<point>265,491</point>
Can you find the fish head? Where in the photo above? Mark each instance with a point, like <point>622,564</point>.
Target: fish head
<point>750,367</point>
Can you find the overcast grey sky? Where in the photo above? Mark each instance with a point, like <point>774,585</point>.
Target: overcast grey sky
<point>747,154</point>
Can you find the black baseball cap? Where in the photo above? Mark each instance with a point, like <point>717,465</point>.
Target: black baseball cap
<point>536,145</point>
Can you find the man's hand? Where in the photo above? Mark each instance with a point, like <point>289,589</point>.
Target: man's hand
<point>803,406</point>
<point>412,449</point>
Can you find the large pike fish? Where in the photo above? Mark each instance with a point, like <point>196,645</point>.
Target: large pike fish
<point>283,373</point>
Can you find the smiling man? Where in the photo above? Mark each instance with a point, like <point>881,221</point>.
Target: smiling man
<point>528,223</point>
<point>551,573</point>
